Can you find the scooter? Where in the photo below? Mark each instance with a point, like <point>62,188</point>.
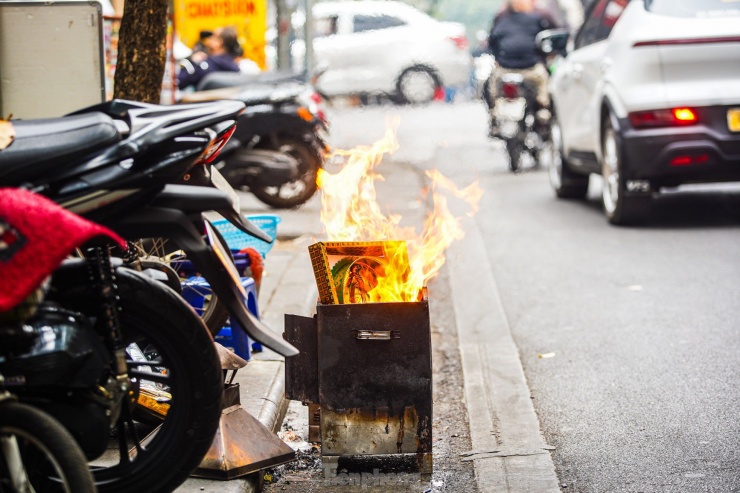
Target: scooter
<point>515,119</point>
<point>126,184</point>
<point>36,452</point>
<point>85,319</point>
<point>280,140</point>
<point>114,164</point>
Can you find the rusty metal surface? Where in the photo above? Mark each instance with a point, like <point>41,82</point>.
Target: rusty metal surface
<point>375,392</point>
<point>314,423</point>
<point>359,432</point>
<point>370,374</point>
<point>229,360</point>
<point>368,370</point>
<point>242,444</point>
<point>301,371</point>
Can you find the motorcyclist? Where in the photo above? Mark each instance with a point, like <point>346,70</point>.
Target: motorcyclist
<point>512,42</point>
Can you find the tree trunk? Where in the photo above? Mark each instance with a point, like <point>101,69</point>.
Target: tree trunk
<point>142,51</point>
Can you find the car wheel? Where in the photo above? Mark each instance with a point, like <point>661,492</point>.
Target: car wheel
<point>564,182</point>
<point>417,85</point>
<point>620,208</point>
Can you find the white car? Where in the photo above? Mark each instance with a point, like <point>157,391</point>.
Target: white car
<point>387,47</point>
<point>648,96</point>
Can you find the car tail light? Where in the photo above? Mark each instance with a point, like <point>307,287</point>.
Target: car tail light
<point>315,97</point>
<point>684,115</point>
<point>460,41</point>
<point>663,118</point>
<point>212,151</point>
<point>689,159</point>
<point>510,90</point>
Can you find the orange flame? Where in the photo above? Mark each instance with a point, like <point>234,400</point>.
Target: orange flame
<point>350,212</point>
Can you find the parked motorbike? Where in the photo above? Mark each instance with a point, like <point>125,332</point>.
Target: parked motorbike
<point>124,185</point>
<point>112,162</point>
<point>77,366</point>
<point>36,452</point>
<point>515,119</point>
<point>280,140</point>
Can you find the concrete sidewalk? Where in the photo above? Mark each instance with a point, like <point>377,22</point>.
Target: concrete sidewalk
<point>288,287</point>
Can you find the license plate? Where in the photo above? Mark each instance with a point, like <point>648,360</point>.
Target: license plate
<point>733,119</point>
<point>509,109</point>
<point>220,182</point>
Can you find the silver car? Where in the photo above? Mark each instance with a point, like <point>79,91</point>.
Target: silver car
<point>648,96</point>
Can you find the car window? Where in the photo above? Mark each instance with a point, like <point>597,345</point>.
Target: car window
<point>374,22</point>
<point>587,33</point>
<point>325,26</point>
<point>612,13</point>
<point>694,8</point>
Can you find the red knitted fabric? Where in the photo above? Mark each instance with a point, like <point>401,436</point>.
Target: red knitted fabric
<point>35,236</point>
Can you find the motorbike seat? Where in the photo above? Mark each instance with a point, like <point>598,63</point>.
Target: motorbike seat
<point>45,145</point>
<point>220,80</point>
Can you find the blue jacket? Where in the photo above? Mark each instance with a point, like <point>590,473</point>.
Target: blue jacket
<point>512,38</point>
<point>192,73</point>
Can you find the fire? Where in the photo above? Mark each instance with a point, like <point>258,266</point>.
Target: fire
<point>350,213</point>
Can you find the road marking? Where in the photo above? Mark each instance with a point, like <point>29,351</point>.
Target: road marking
<point>500,410</point>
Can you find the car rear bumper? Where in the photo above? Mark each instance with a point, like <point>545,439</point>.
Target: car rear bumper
<point>705,153</point>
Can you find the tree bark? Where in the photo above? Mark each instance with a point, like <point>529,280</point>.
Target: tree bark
<point>142,51</point>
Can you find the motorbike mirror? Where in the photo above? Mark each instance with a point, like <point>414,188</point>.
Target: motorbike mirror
<point>552,41</point>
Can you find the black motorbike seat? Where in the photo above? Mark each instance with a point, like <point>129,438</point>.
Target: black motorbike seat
<point>45,145</point>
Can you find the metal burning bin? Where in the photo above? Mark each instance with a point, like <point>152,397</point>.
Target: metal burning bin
<point>369,369</point>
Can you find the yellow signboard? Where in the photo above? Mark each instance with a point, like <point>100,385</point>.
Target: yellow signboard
<point>248,17</point>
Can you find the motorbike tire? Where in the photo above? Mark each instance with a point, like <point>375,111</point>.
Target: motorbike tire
<point>295,193</point>
<point>514,150</point>
<point>156,317</point>
<point>52,460</point>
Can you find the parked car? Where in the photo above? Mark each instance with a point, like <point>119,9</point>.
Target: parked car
<point>387,47</point>
<point>648,96</point>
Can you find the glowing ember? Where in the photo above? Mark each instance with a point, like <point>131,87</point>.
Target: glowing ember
<point>350,213</point>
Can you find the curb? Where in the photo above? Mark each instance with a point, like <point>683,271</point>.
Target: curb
<point>508,449</point>
<point>276,405</point>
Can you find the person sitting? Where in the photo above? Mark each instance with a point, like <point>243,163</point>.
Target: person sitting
<point>222,48</point>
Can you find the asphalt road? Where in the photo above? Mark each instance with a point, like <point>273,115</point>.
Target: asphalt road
<point>638,326</point>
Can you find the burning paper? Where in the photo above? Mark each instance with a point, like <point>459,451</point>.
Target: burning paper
<point>403,260</point>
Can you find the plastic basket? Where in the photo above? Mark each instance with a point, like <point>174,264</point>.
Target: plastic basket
<point>237,240</point>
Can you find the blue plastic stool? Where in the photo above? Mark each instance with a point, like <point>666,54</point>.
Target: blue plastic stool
<point>195,289</point>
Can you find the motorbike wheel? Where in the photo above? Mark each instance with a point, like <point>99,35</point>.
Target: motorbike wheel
<point>50,458</point>
<point>158,254</point>
<point>514,148</point>
<point>157,319</point>
<point>297,192</point>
